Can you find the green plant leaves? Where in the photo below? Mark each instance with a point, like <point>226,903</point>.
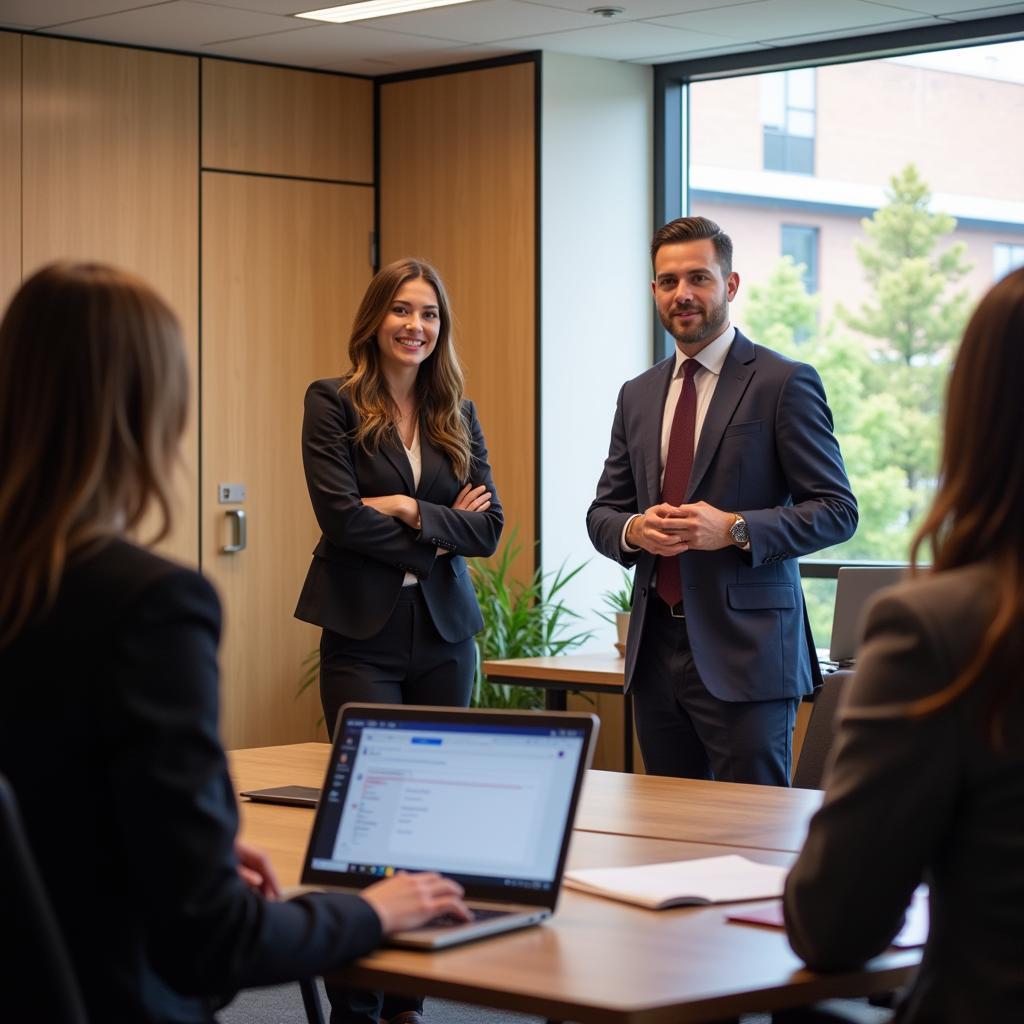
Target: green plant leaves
<point>620,600</point>
<point>521,620</point>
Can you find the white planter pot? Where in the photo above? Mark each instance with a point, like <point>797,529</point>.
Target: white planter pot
<point>622,626</point>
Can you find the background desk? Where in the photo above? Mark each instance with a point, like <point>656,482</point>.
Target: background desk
<point>595,673</point>
<point>587,673</point>
<point>598,961</point>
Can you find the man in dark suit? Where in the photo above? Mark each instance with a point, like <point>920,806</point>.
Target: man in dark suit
<point>722,470</point>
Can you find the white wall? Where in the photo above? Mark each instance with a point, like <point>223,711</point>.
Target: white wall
<point>596,310</point>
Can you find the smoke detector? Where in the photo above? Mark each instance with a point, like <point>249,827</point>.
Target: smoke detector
<point>606,12</point>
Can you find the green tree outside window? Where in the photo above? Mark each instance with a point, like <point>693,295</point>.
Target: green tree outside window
<point>884,365</point>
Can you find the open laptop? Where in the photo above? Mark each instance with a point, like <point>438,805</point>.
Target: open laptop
<point>487,798</point>
<point>855,585</point>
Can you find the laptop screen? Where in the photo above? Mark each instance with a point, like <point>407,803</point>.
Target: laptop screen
<point>486,799</point>
<point>855,586</point>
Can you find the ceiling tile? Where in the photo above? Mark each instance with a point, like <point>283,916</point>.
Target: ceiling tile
<point>636,10</point>
<point>180,25</point>
<point>687,55</point>
<point>285,8</point>
<point>950,7</point>
<point>775,19</point>
<point>865,33</point>
<point>985,12</point>
<point>39,13</point>
<point>336,47</point>
<point>413,62</point>
<point>486,20</point>
<point>623,41</point>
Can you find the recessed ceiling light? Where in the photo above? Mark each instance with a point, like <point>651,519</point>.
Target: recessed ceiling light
<point>375,9</point>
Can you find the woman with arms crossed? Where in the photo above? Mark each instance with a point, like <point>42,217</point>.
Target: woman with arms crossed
<point>400,484</point>
<point>108,662</point>
<point>927,782</point>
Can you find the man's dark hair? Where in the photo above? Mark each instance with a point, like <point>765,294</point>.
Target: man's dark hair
<point>695,229</point>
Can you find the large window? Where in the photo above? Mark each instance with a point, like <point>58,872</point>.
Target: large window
<point>867,264</point>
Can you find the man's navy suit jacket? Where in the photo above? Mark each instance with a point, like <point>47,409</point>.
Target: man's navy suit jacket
<point>767,451</point>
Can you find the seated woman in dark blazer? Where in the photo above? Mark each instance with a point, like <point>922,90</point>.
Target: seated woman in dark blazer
<point>398,475</point>
<point>927,781</point>
<point>108,663</point>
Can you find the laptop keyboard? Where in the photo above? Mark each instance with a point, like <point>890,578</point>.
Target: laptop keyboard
<point>450,920</point>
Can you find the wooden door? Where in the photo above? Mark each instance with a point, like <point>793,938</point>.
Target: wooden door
<point>284,265</point>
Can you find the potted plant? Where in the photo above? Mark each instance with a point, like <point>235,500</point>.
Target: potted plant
<point>521,620</point>
<point>619,602</point>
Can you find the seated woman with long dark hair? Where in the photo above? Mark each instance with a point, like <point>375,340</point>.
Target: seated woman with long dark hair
<point>108,673</point>
<point>927,783</point>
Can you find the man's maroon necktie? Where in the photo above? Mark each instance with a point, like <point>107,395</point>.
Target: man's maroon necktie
<point>678,464</point>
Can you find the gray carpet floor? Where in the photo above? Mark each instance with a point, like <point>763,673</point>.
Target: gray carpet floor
<point>283,1005</point>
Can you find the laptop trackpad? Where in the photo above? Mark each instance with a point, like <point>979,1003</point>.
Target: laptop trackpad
<point>448,930</point>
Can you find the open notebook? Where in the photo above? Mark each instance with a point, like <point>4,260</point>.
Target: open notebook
<point>683,882</point>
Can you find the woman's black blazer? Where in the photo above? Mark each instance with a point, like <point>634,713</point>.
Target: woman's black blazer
<point>108,734</point>
<point>355,578</point>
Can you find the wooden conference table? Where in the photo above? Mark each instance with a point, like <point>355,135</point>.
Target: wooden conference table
<point>598,961</point>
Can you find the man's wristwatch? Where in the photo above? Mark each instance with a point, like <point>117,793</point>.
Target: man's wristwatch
<point>738,531</point>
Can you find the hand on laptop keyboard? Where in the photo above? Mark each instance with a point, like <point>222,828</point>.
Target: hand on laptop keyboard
<point>409,901</point>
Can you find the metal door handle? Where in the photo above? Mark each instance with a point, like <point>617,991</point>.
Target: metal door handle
<point>239,529</point>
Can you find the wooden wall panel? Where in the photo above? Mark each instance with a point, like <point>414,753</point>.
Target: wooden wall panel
<point>110,172</point>
<point>278,121</point>
<point>10,166</point>
<point>285,264</point>
<point>457,187</point>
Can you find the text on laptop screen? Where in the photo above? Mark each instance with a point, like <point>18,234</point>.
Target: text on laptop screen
<point>486,803</point>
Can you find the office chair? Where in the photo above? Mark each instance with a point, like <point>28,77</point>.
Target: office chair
<point>311,1001</point>
<point>809,774</point>
<point>810,768</point>
<point>38,980</point>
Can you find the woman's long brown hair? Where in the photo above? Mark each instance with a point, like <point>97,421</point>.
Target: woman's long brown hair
<point>978,511</point>
<point>93,401</point>
<point>439,383</point>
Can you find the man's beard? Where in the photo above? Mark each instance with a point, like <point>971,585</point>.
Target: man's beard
<point>714,319</point>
